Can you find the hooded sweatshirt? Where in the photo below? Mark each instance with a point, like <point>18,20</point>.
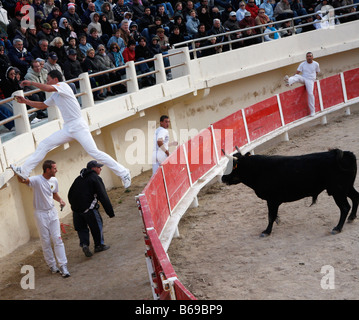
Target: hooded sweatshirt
<point>88,188</point>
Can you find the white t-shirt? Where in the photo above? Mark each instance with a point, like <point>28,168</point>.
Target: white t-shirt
<point>66,101</point>
<point>309,70</point>
<point>43,191</point>
<point>158,154</point>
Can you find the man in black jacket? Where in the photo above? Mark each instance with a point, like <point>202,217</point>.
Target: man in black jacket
<point>86,191</point>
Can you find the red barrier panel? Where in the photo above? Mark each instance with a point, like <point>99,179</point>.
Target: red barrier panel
<point>295,103</point>
<point>182,293</point>
<point>332,91</point>
<point>351,78</point>
<point>176,176</point>
<point>263,117</point>
<point>200,153</point>
<point>230,132</point>
<point>155,193</point>
<point>146,212</point>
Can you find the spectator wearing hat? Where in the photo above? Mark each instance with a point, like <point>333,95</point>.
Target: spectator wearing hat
<point>231,23</point>
<point>41,50</point>
<point>72,66</point>
<point>72,17</point>
<point>45,32</point>
<point>51,63</point>
<point>85,194</point>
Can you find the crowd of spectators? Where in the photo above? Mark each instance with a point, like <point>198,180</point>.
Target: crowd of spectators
<point>76,36</point>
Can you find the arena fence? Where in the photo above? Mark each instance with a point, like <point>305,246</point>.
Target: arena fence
<point>175,185</point>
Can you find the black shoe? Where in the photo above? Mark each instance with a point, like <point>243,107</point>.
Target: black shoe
<point>98,97</point>
<point>101,247</point>
<point>110,93</point>
<point>87,251</point>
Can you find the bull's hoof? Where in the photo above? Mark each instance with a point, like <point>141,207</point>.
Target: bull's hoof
<point>264,234</point>
<point>336,231</point>
<point>351,219</point>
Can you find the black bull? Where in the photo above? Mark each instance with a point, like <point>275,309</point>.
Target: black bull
<point>279,179</point>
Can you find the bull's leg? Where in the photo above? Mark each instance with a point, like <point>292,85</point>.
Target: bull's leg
<point>344,207</point>
<point>354,197</point>
<point>272,216</point>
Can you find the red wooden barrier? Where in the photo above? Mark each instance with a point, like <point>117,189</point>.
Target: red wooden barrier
<point>332,91</point>
<point>176,176</point>
<point>352,83</point>
<point>155,193</point>
<point>200,152</point>
<point>263,117</point>
<point>295,103</point>
<point>230,132</point>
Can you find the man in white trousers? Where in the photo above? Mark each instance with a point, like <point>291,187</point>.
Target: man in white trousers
<point>75,127</point>
<point>309,70</point>
<point>46,190</point>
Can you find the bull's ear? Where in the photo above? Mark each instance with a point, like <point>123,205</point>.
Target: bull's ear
<point>247,154</point>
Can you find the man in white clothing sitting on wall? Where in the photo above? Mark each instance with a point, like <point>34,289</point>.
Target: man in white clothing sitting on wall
<point>309,70</point>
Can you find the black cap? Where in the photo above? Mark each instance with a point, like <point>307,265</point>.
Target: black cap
<point>94,164</point>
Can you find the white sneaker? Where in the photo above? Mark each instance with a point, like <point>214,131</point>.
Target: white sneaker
<point>35,120</point>
<point>54,269</point>
<point>64,272</point>
<point>127,180</point>
<point>286,80</point>
<point>18,172</point>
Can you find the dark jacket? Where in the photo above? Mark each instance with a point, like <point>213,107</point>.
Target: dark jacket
<point>85,188</point>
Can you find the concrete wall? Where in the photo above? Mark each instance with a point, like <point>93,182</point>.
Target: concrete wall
<point>202,92</point>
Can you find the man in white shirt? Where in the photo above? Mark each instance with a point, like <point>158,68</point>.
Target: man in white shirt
<point>75,127</point>
<point>309,70</point>
<point>46,190</point>
<point>161,143</point>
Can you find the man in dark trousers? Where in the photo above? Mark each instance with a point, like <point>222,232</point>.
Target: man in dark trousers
<point>86,191</point>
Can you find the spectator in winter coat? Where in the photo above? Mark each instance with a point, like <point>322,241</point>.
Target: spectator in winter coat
<point>20,57</point>
<point>192,23</point>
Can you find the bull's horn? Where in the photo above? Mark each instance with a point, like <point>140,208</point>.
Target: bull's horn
<point>229,156</point>
<point>237,149</point>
